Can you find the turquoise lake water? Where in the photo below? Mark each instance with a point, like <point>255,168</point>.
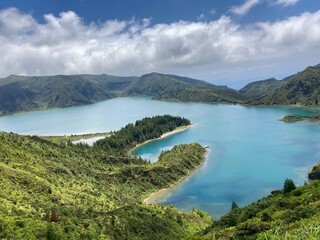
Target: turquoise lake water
<point>251,152</point>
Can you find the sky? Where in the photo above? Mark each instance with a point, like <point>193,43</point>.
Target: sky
<point>230,42</point>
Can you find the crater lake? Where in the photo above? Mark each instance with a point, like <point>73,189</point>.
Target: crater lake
<point>250,152</point>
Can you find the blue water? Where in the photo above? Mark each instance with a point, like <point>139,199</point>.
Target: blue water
<point>251,152</point>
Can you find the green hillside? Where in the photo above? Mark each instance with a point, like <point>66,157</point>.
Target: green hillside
<point>66,191</point>
<point>300,89</point>
<point>285,214</point>
<point>171,87</point>
<point>260,88</point>
<point>63,191</point>
<point>22,93</point>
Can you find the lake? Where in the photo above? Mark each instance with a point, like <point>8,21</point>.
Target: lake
<point>251,151</point>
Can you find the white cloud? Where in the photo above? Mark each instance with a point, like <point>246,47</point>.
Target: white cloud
<point>286,2</point>
<point>245,7</point>
<point>206,15</point>
<point>64,44</point>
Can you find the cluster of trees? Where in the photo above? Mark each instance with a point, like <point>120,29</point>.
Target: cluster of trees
<point>146,129</point>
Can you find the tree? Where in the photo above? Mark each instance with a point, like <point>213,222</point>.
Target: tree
<point>234,205</point>
<point>288,186</point>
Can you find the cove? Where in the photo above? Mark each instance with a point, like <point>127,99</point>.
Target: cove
<point>251,152</point>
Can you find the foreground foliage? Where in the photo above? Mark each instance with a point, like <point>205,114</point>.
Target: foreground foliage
<point>284,214</point>
<point>59,191</point>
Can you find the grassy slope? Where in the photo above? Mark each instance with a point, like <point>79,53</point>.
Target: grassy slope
<point>68,192</point>
<point>293,215</point>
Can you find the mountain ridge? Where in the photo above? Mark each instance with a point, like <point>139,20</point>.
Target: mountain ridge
<point>302,89</point>
<point>28,93</point>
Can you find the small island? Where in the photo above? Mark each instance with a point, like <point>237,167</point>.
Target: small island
<point>296,118</point>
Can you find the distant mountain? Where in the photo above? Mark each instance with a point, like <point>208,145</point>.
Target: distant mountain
<point>302,88</point>
<point>24,93</point>
<point>260,88</point>
<point>27,93</point>
<point>172,87</point>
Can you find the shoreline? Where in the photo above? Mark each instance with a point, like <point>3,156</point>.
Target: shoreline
<point>165,135</point>
<point>154,197</point>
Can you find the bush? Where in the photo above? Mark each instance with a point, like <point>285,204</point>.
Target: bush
<point>234,205</point>
<point>288,186</point>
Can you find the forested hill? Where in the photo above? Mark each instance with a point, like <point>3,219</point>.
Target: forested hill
<point>300,89</point>
<point>260,88</point>
<point>172,87</point>
<point>51,191</point>
<point>23,93</point>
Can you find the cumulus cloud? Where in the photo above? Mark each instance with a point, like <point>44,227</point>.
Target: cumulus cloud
<point>244,8</point>
<point>64,44</point>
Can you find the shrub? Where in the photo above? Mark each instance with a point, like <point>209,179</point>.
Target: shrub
<point>288,186</point>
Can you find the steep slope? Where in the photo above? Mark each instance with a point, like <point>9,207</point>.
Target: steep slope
<point>21,93</point>
<point>171,87</point>
<point>284,214</point>
<point>300,89</point>
<point>50,191</point>
<point>260,88</point>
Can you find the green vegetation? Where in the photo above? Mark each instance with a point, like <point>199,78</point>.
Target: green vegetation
<point>314,174</point>
<point>294,118</point>
<point>288,186</point>
<point>172,87</point>
<point>260,88</point>
<point>146,129</point>
<point>300,89</point>
<point>23,93</point>
<point>234,205</point>
<point>291,213</point>
<point>66,191</point>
